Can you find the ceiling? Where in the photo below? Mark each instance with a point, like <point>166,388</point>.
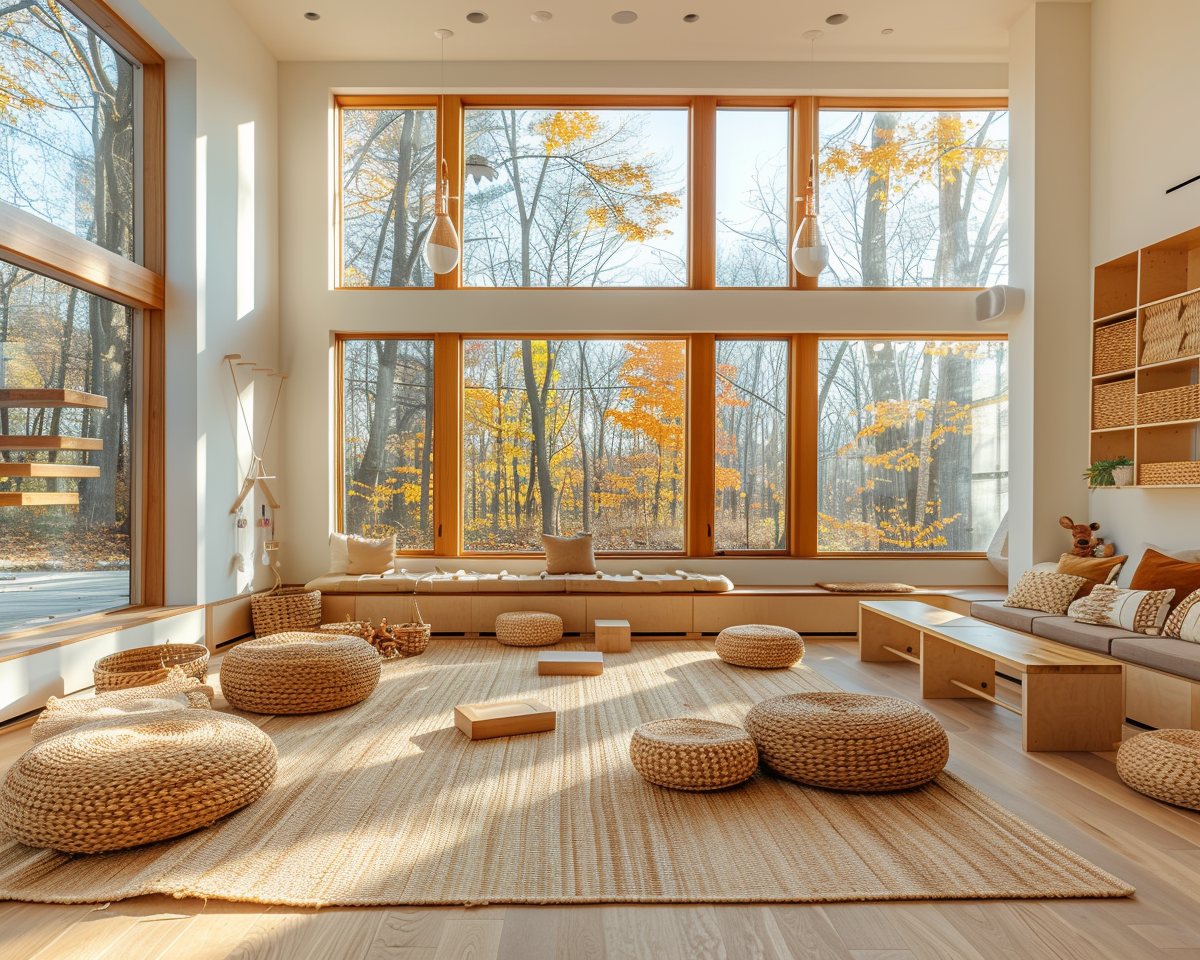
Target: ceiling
<point>770,30</point>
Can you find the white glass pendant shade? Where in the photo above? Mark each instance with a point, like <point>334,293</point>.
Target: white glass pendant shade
<point>810,255</point>
<point>442,248</point>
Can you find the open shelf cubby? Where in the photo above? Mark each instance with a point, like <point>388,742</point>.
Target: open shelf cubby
<point>1145,387</point>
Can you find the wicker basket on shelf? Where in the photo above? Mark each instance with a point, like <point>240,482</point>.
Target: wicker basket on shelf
<point>1190,320</point>
<point>1115,347</point>
<point>285,609</point>
<point>1162,333</point>
<point>1164,406</point>
<point>1160,474</point>
<point>143,666</point>
<point>1113,404</point>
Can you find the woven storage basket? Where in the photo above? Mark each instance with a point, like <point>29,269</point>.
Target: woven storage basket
<point>1163,764</point>
<point>143,666</point>
<point>687,753</point>
<point>849,741</point>
<point>528,628</point>
<point>1115,347</point>
<point>1113,404</point>
<point>1190,319</point>
<point>1162,406</point>
<point>133,780</point>
<point>291,673</point>
<point>1162,333</point>
<point>284,609</point>
<point>1159,474</point>
<point>411,639</point>
<point>760,645</point>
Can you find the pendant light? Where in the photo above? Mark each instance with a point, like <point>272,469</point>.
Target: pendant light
<point>810,254</point>
<point>442,248</point>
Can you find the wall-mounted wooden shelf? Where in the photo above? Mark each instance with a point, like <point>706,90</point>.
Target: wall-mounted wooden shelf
<point>38,499</point>
<point>57,470</point>
<point>1133,289</point>
<point>19,442</point>
<point>52,398</point>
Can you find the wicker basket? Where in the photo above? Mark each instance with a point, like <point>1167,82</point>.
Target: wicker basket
<point>1115,347</point>
<point>688,753</point>
<point>1113,404</point>
<point>143,666</point>
<point>1163,406</point>
<point>285,609</point>
<point>1163,764</point>
<point>350,628</point>
<point>1162,333</point>
<point>1159,474</point>
<point>411,639</point>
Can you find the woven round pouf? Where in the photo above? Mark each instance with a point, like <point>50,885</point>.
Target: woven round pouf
<point>849,741</point>
<point>299,673</point>
<point>133,780</point>
<point>760,645</point>
<point>1163,764</point>
<point>687,753</point>
<point>528,628</point>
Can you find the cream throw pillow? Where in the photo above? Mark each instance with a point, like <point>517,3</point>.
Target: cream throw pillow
<point>1048,592</point>
<point>1142,611</point>
<point>339,553</point>
<point>370,556</point>
<point>569,554</point>
<point>1184,621</point>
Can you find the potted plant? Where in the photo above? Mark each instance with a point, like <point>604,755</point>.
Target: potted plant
<point>1110,473</point>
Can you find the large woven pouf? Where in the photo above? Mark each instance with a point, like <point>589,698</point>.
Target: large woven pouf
<point>687,753</point>
<point>528,628</point>
<point>1163,764</point>
<point>299,673</point>
<point>760,645</point>
<point>849,741</point>
<point>120,783</point>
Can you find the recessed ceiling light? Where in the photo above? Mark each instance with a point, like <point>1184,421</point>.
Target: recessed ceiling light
<point>887,30</point>
<point>443,34</point>
<point>837,18</point>
<point>691,17</point>
<point>312,16</point>
<point>624,16</point>
<point>813,34</point>
<point>477,17</point>
<point>540,16</point>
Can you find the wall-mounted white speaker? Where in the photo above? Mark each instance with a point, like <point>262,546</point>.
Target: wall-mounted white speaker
<point>999,303</point>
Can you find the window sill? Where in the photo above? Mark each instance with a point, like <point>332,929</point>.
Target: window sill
<point>47,637</point>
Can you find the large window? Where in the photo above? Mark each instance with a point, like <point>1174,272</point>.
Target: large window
<point>387,440</point>
<point>915,199</point>
<point>570,436</point>
<point>752,445</point>
<point>753,196</point>
<point>67,121</point>
<point>388,195</point>
<point>575,198</point>
<point>913,444</point>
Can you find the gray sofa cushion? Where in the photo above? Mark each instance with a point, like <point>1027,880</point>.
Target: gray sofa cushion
<point>1015,618</point>
<point>1086,636</point>
<point>1179,657</point>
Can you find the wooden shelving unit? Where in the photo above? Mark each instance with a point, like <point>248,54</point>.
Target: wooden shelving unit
<point>1148,411</point>
<point>35,469</point>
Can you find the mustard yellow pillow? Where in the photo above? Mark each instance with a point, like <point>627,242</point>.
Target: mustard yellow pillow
<point>370,556</point>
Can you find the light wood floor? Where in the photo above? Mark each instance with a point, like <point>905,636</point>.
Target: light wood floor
<point>1075,798</point>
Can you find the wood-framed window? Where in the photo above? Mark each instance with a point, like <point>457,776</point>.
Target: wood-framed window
<point>672,191</point>
<point>82,230</point>
<point>674,445</point>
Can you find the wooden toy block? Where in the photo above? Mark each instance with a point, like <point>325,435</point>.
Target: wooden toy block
<point>613,636</point>
<point>570,663</point>
<point>481,721</point>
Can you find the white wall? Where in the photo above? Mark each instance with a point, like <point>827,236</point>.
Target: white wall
<point>222,279</point>
<point>1145,74</point>
<point>312,311</point>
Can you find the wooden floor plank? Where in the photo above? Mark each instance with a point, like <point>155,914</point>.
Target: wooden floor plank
<point>750,933</point>
<point>530,933</point>
<point>470,940</point>
<point>407,934</point>
<point>808,934</point>
<point>31,926</point>
<point>580,934</point>
<point>863,927</point>
<point>214,933</point>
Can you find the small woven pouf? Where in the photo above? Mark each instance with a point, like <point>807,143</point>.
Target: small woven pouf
<point>687,753</point>
<point>849,741</point>
<point>124,782</point>
<point>1163,764</point>
<point>760,645</point>
<point>528,628</point>
<point>291,673</point>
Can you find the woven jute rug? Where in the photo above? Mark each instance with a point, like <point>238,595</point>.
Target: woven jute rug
<point>387,803</point>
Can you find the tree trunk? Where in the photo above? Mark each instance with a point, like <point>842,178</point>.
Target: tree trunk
<point>874,237</point>
<point>537,417</point>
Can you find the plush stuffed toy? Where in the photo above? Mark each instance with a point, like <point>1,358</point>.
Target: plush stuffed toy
<point>1082,541</point>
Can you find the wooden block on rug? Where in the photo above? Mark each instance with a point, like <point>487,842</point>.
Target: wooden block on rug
<point>613,636</point>
<point>570,663</point>
<point>482,721</point>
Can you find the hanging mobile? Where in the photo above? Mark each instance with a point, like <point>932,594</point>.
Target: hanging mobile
<point>265,524</point>
<point>242,522</point>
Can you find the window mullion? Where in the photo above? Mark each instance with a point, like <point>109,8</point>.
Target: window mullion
<point>447,443</point>
<point>802,400</point>
<point>701,444</point>
<point>703,256</point>
<point>450,149</point>
<point>802,147</point>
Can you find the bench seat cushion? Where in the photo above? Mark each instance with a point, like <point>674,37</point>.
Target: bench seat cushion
<point>1179,657</point>
<point>1085,636</point>
<point>409,581</point>
<point>1015,618</point>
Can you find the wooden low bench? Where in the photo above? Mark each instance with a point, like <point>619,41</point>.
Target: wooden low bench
<point>1070,699</point>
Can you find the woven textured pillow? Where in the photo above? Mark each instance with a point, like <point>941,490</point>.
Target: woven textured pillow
<point>569,554</point>
<point>1048,592</point>
<point>370,556</point>
<point>1142,611</point>
<point>1184,621</point>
